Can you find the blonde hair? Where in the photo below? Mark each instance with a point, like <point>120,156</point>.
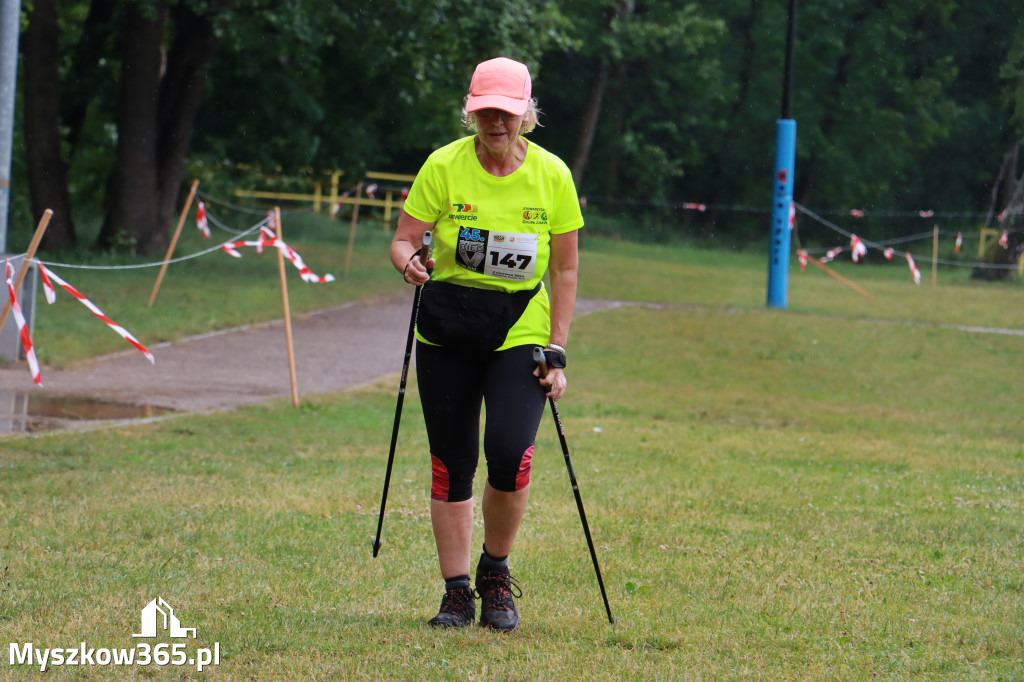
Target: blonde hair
<point>530,118</point>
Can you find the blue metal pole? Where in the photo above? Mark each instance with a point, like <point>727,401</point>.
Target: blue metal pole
<point>778,262</point>
<point>785,160</point>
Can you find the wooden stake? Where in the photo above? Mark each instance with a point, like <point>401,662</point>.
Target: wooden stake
<point>44,221</point>
<point>935,252</point>
<point>352,230</point>
<point>174,242</point>
<point>840,278</point>
<point>287,310</point>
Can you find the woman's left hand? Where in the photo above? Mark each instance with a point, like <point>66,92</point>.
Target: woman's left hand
<point>554,381</point>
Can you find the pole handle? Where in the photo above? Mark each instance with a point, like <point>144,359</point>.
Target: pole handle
<point>542,362</point>
<point>424,252</point>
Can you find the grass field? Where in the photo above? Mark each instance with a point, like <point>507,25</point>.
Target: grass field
<point>834,491</point>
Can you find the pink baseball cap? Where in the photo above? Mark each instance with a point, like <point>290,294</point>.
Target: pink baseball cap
<point>500,84</point>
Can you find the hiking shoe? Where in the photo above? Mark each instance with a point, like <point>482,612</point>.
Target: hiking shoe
<point>497,608</point>
<point>458,609</point>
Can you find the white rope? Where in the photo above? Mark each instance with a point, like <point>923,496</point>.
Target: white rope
<point>880,246</point>
<point>137,266</point>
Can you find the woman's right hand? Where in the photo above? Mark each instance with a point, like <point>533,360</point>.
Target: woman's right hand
<point>416,272</point>
<point>405,249</point>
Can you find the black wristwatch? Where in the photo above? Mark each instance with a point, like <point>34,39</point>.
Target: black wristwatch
<point>555,358</point>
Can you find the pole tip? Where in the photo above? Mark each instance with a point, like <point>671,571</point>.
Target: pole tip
<point>376,547</point>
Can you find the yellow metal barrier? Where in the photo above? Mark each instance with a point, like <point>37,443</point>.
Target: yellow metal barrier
<point>317,197</point>
<point>987,235</point>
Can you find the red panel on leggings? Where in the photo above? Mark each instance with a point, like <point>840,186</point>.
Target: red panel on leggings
<point>523,477</point>
<point>439,479</point>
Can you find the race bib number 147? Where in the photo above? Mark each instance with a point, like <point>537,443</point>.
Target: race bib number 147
<point>506,255</point>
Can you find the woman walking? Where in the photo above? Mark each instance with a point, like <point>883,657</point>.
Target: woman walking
<point>503,213</point>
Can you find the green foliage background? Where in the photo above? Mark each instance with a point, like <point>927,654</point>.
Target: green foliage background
<point>902,105</point>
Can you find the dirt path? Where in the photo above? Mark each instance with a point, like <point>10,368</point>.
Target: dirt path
<point>335,350</point>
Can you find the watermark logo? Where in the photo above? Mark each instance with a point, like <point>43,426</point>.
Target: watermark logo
<point>170,622</point>
<point>157,618</point>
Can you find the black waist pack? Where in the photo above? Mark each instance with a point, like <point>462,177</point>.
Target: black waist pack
<point>468,318</point>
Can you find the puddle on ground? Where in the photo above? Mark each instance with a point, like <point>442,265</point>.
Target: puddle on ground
<point>26,413</point>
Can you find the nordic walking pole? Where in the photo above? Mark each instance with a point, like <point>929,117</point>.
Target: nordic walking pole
<point>44,221</point>
<point>538,357</point>
<point>424,254</point>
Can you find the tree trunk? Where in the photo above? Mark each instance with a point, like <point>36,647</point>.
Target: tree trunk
<point>132,206</point>
<point>160,96</point>
<point>834,97</point>
<point>181,93</point>
<point>47,169</point>
<point>591,114</point>
<point>588,126</point>
<point>85,78</point>
<point>1013,223</point>
<point>617,114</point>
<point>743,36</point>
<point>745,77</point>
<point>1002,189</point>
<point>1014,219</point>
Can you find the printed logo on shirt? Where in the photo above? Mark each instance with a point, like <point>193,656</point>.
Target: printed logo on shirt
<point>463,212</point>
<point>469,251</point>
<point>535,216</point>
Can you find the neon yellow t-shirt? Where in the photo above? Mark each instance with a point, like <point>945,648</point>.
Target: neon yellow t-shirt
<point>495,233</point>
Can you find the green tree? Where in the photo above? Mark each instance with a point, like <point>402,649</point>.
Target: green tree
<point>44,159</point>
<point>381,86</point>
<point>651,102</point>
<point>626,93</point>
<point>133,75</point>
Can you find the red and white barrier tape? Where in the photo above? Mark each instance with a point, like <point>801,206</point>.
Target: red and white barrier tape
<point>19,319</point>
<point>889,253</point>
<point>1004,239</point>
<point>338,203</point>
<point>201,222</point>
<point>51,295</point>
<point>857,248</point>
<point>268,234</point>
<point>831,254</point>
<point>913,269</point>
<point>289,253</point>
<point>959,242</point>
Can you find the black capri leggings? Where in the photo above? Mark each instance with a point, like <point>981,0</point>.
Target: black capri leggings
<point>452,384</point>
